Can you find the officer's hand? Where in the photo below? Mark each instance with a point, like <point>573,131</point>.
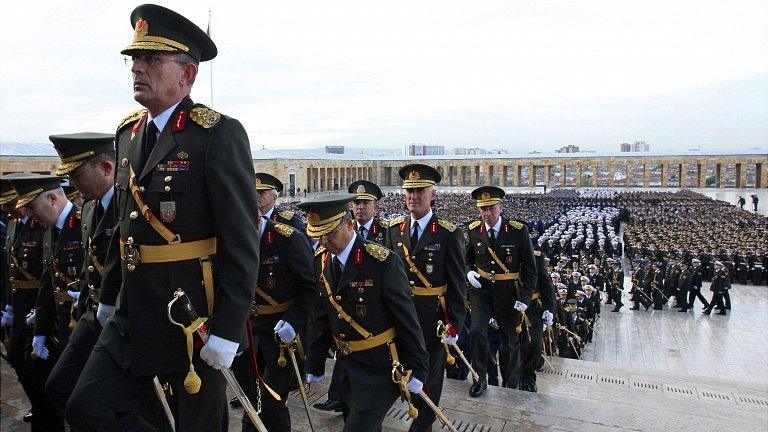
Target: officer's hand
<point>75,295</point>
<point>30,318</point>
<point>7,316</point>
<point>285,331</point>
<point>474,279</point>
<point>493,323</point>
<point>218,352</point>
<point>38,347</point>
<point>547,317</point>
<point>315,378</point>
<point>104,312</point>
<point>415,386</point>
<point>544,327</point>
<point>520,306</point>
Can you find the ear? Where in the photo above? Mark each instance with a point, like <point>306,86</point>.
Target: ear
<point>189,74</point>
<point>108,167</point>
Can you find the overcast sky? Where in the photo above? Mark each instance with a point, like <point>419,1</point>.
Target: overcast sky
<point>520,75</point>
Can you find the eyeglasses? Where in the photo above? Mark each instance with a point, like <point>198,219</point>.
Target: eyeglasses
<point>151,61</point>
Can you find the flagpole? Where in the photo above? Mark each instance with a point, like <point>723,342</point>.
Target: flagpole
<point>211,63</point>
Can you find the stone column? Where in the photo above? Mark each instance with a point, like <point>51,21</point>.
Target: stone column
<point>504,175</point>
<point>701,173</point>
<point>531,175</point>
<point>741,175</point>
<point>612,174</point>
<point>646,175</point>
<point>547,174</point>
<point>563,170</point>
<point>664,174</point>
<point>682,175</point>
<point>516,178</point>
<point>760,177</point>
<point>719,171</point>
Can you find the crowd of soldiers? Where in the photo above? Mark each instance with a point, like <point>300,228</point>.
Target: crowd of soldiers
<point>178,276</point>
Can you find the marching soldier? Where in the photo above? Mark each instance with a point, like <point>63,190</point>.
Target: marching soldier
<point>285,296</point>
<point>44,199</point>
<point>184,180</point>
<point>655,281</point>
<point>431,249</point>
<point>364,208</point>
<point>684,286</point>
<point>269,188</point>
<point>720,281</point>
<point>616,275</point>
<point>24,246</point>
<point>697,275</point>
<point>501,270</point>
<point>371,315</point>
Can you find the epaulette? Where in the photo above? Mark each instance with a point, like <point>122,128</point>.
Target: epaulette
<point>537,253</point>
<point>516,224</point>
<point>284,229</point>
<point>383,224</point>
<point>132,117</point>
<point>286,214</point>
<point>474,225</point>
<point>205,117</point>
<point>320,250</point>
<point>396,221</point>
<point>450,226</point>
<point>379,252</point>
<point>79,214</point>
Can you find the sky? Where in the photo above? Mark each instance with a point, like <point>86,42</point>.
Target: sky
<point>519,75</point>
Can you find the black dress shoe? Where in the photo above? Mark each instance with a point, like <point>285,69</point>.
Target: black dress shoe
<point>634,308</point>
<point>329,405</point>
<point>722,312</point>
<point>707,311</point>
<point>28,417</point>
<point>235,403</point>
<point>683,310</point>
<point>477,388</point>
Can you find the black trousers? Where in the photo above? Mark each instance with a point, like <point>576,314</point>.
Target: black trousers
<point>509,348</point>
<point>363,417</point>
<point>108,398</point>
<point>717,301</point>
<point>533,349</point>
<point>694,294</point>
<point>320,342</point>
<point>432,388</point>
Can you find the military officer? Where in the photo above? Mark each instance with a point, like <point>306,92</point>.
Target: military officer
<point>371,315</point>
<point>269,188</point>
<point>431,249</point>
<point>501,270</point>
<point>697,275</point>
<point>616,276</point>
<point>184,181</point>
<point>45,200</point>
<point>720,281</point>
<point>24,247</point>
<point>364,209</point>
<point>285,296</point>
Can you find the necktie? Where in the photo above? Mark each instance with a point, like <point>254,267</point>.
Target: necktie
<point>492,237</point>
<point>415,235</point>
<point>99,212</point>
<point>361,230</point>
<point>56,232</point>
<point>336,269</point>
<point>150,138</point>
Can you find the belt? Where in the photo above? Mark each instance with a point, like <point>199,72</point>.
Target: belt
<point>257,310</point>
<point>22,284</point>
<point>424,291</point>
<point>382,338</point>
<point>493,277</point>
<point>137,254</point>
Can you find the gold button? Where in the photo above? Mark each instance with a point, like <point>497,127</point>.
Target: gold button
<point>411,282</point>
<point>13,265</point>
<point>57,274</point>
<point>339,315</point>
<point>130,267</point>
<point>167,188</point>
<point>134,214</point>
<point>360,299</point>
<point>167,178</point>
<point>124,162</point>
<point>342,336</point>
<point>360,290</point>
<point>399,244</point>
<point>129,240</point>
<point>90,269</point>
<point>338,298</point>
<point>493,262</point>
<point>142,189</point>
<point>479,244</point>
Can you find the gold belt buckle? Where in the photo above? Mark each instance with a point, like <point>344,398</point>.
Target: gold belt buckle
<point>343,347</point>
<point>131,256</point>
<point>254,309</point>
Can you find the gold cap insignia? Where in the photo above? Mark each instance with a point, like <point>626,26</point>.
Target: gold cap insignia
<point>141,29</point>
<point>313,217</point>
<point>360,189</point>
<point>258,181</point>
<point>485,196</point>
<point>414,175</point>
<point>182,155</point>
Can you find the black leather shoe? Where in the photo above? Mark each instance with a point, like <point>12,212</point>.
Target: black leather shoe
<point>634,308</point>
<point>235,403</point>
<point>329,405</point>
<point>28,417</point>
<point>722,312</point>
<point>683,310</point>
<point>528,386</point>
<point>478,388</point>
<point>707,311</point>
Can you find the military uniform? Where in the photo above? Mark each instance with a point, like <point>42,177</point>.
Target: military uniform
<point>375,229</point>
<point>542,299</point>
<point>180,193</point>
<point>720,282</point>
<point>371,316</point>
<point>265,182</point>
<point>285,291</point>
<point>434,262</point>
<point>697,275</point>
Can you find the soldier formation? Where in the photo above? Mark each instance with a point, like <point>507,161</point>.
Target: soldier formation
<point>178,275</point>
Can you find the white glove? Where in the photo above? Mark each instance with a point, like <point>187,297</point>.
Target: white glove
<point>450,340</point>
<point>285,331</point>
<point>74,294</point>
<point>474,279</point>
<point>31,318</point>
<point>218,352</point>
<point>104,312</point>
<point>7,316</point>
<point>315,378</point>
<point>38,347</point>
<point>544,327</point>
<point>493,323</point>
<point>521,306</point>
<point>415,386</point>
<point>547,317</point>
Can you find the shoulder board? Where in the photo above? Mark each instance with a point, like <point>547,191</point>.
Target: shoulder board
<point>205,117</point>
<point>516,224</point>
<point>383,223</point>
<point>537,253</point>
<point>379,252</point>
<point>450,226</point>
<point>132,117</point>
<point>284,229</point>
<point>396,221</point>
<point>320,250</point>
<point>474,225</point>
<point>286,214</point>
<point>79,214</point>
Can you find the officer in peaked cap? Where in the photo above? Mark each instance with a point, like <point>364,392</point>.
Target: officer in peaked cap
<point>370,313</point>
<point>44,199</point>
<point>432,250</point>
<point>183,180</point>
<point>24,252</point>
<point>269,188</point>
<point>364,209</point>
